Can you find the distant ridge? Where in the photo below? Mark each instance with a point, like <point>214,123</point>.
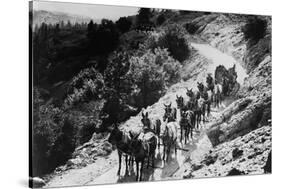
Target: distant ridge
<point>48,17</point>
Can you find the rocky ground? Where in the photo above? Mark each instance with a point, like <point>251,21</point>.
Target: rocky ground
<point>236,140</point>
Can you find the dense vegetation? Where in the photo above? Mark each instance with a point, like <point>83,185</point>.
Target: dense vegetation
<point>88,76</point>
<point>255,28</point>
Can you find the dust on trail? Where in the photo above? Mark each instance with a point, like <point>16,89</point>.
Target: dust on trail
<point>220,58</point>
<point>104,171</point>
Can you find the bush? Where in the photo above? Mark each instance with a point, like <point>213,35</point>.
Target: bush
<point>64,145</point>
<point>131,40</point>
<point>86,86</point>
<point>191,28</point>
<point>160,19</point>
<point>151,73</point>
<point>46,125</point>
<point>174,40</point>
<point>123,24</point>
<point>55,135</point>
<point>255,28</point>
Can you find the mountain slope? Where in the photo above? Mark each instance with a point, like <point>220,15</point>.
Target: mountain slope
<point>41,16</point>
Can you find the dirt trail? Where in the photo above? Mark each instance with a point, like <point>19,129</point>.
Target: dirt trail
<point>103,171</point>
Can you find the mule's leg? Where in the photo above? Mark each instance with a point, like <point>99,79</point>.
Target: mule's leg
<point>164,152</point>
<point>137,164</point>
<point>185,135</point>
<point>175,144</point>
<point>153,159</point>
<point>141,169</point>
<point>158,140</point>
<point>148,161</point>
<point>126,161</point>
<point>181,132</point>
<point>120,159</point>
<point>168,152</point>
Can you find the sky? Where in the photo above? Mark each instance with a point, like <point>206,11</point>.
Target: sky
<point>89,10</point>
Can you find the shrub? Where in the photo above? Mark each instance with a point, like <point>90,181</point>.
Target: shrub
<point>46,124</point>
<point>151,73</point>
<point>174,40</point>
<point>191,28</point>
<point>160,19</point>
<point>87,85</point>
<point>255,28</point>
<point>123,24</point>
<point>131,40</point>
<point>64,145</point>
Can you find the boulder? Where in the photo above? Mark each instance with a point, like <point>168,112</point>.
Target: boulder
<point>239,119</point>
<point>73,162</point>
<point>234,172</point>
<point>236,153</point>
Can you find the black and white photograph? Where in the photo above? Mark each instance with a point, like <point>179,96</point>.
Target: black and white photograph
<point>123,94</point>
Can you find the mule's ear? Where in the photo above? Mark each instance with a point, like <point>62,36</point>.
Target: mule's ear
<point>165,105</point>
<point>177,96</point>
<point>146,114</point>
<point>131,134</point>
<point>137,136</point>
<point>142,114</point>
<point>170,104</point>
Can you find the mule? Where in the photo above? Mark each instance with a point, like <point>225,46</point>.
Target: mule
<point>146,121</point>
<point>169,138</point>
<point>210,82</point>
<point>217,95</point>
<point>170,113</point>
<point>157,130</point>
<point>207,96</point>
<point>143,147</point>
<point>193,100</point>
<point>187,122</point>
<point>121,140</point>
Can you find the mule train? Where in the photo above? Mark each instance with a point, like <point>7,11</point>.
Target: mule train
<point>193,110</point>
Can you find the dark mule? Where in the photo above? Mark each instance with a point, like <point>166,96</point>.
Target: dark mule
<point>146,122</point>
<point>193,100</point>
<point>207,96</point>
<point>143,147</point>
<point>183,105</point>
<point>122,141</point>
<point>170,113</point>
<point>147,126</point>
<point>210,82</point>
<point>187,122</point>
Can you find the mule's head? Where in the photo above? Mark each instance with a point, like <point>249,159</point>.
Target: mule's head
<point>145,120</point>
<point>135,143</point>
<point>200,86</point>
<point>179,101</point>
<point>209,78</point>
<point>189,93</point>
<point>115,135</point>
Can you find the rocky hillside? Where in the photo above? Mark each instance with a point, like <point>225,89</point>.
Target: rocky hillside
<point>241,136</point>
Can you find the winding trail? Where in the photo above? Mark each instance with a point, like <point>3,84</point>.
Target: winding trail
<point>219,58</point>
<point>195,149</point>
